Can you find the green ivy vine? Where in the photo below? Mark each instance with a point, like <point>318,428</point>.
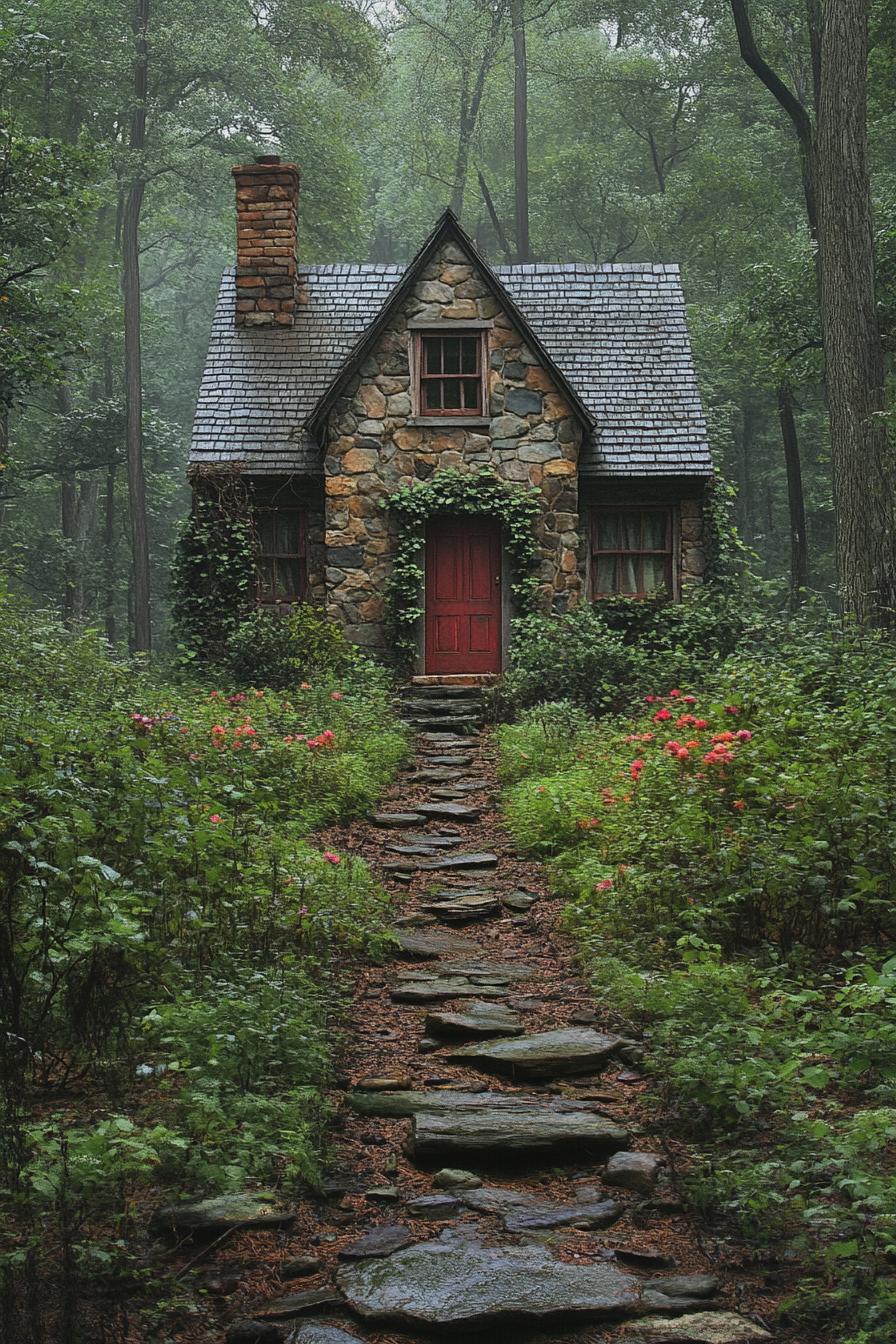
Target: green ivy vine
<point>451,491</point>
<point>213,572</point>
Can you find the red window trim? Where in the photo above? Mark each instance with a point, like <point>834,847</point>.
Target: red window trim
<point>421,377</point>
<point>620,552</point>
<point>301,555</point>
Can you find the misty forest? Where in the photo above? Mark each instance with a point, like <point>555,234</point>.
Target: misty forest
<point>448,592</point>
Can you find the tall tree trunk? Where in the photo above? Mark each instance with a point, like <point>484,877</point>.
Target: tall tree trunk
<point>130,285</point>
<point>745,494</point>
<point>109,554</point>
<point>799,544</point>
<point>864,500</point>
<point>68,508</point>
<point>520,131</point>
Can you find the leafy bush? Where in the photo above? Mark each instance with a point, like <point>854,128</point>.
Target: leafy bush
<point>281,651</point>
<point>170,938</point>
<point>603,656</point>
<point>728,858</point>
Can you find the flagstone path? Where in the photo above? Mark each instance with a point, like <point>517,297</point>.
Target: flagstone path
<point>496,1172</point>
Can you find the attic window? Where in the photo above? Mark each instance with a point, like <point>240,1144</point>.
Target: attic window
<point>631,552</point>
<point>281,567</point>
<point>451,373</point>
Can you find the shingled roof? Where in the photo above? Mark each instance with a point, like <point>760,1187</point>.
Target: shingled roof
<point>616,332</point>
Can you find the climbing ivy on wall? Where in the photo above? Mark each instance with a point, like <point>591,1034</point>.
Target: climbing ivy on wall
<point>213,572</point>
<point>453,491</point>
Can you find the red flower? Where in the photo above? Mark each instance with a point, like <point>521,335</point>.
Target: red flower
<point>634,770</point>
<point>690,699</point>
<point>661,715</point>
<point>650,699</point>
<point>744,735</point>
<point>732,709</point>
<point>738,804</point>
<point>673,695</point>
<point>330,857</point>
<point>682,753</point>
<point>605,885</point>
<point>215,819</point>
<point>336,695</point>
<point>701,723</point>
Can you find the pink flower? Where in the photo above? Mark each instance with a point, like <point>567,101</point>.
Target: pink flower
<point>605,885</point>
<point>661,715</point>
<point>635,769</point>
<point>732,709</point>
<point>690,699</point>
<point>330,857</point>
<point>305,686</point>
<point>215,819</point>
<point>336,695</point>
<point>650,699</point>
<point>674,694</point>
<point>744,735</point>
<point>302,910</point>
<point>194,756</point>
<point>218,731</point>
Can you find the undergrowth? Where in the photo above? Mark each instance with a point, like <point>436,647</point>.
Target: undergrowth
<point>728,858</point>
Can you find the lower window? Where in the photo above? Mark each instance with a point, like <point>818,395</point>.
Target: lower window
<point>281,568</point>
<point>631,551</point>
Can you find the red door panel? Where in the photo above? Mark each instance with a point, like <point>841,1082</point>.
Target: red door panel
<point>463,595</point>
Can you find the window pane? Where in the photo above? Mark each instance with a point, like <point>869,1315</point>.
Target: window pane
<point>266,530</point>
<point>605,575</point>
<point>607,532</point>
<point>451,354</point>
<point>654,573</point>
<point>432,394</point>
<point>287,578</point>
<point>469,353</point>
<point>265,580</point>
<point>432,354</point>
<point>286,532</point>
<point>451,394</point>
<point>628,576</point>
<point>655,531</point>
<point>471,394</point>
<point>630,530</point>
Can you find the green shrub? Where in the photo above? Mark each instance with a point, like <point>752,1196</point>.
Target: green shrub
<point>282,651</point>
<point>728,863</point>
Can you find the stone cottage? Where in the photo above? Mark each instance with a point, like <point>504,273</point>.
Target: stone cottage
<point>331,386</point>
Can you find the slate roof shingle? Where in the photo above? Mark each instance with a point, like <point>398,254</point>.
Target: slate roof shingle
<point>617,332</point>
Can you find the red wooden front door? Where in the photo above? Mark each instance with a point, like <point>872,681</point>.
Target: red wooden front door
<point>463,595</point>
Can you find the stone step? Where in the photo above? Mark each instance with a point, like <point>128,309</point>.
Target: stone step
<point>449,811</point>
<point>464,909</point>
<point>548,1054</point>
<point>396,820</point>
<point>458,1283</point>
<point>479,1020</point>
<point>441,692</point>
<point>430,946</point>
<point>520,1212</point>
<point>464,726</point>
<point>460,862</point>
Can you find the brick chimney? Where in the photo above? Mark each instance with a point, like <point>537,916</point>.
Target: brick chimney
<point>267,193</point>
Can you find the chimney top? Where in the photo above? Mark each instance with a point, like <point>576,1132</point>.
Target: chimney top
<point>266,199</point>
<point>267,158</point>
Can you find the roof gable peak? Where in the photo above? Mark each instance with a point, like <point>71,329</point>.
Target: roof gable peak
<point>447,228</point>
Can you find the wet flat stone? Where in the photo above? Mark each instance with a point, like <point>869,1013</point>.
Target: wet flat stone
<point>684,1285</point>
<point>455,762</point>
<point>396,820</point>
<point>432,989</point>
<point>431,775</point>
<point>521,1212</point>
<point>211,1217</point>
<point>519,900</point>
<point>633,1171</point>
<point>705,1327</point>
<point>378,1242</point>
<point>498,1126</point>
<point>450,811</point>
<point>549,1054</point>
<point>433,1208</point>
<point>289,1306</point>
<point>462,862</point>
<point>464,909</point>
<point>425,849</point>
<point>475,1020</point>
<point>313,1333</point>
<point>430,946</point>
<point>459,1284</point>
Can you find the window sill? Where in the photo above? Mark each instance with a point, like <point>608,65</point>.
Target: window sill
<point>447,421</point>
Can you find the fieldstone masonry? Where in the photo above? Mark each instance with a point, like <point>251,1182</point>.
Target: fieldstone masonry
<point>266,202</point>
<point>528,437</point>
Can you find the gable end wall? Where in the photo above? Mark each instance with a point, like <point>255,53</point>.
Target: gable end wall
<point>529,438</point>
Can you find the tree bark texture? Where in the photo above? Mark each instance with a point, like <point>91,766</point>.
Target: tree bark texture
<point>130,285</point>
<point>862,459</point>
<point>520,131</point>
<point>799,543</point>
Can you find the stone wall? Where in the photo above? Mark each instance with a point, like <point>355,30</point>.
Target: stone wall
<point>375,445</point>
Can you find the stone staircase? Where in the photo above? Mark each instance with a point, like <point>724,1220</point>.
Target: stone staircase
<point>441,707</point>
